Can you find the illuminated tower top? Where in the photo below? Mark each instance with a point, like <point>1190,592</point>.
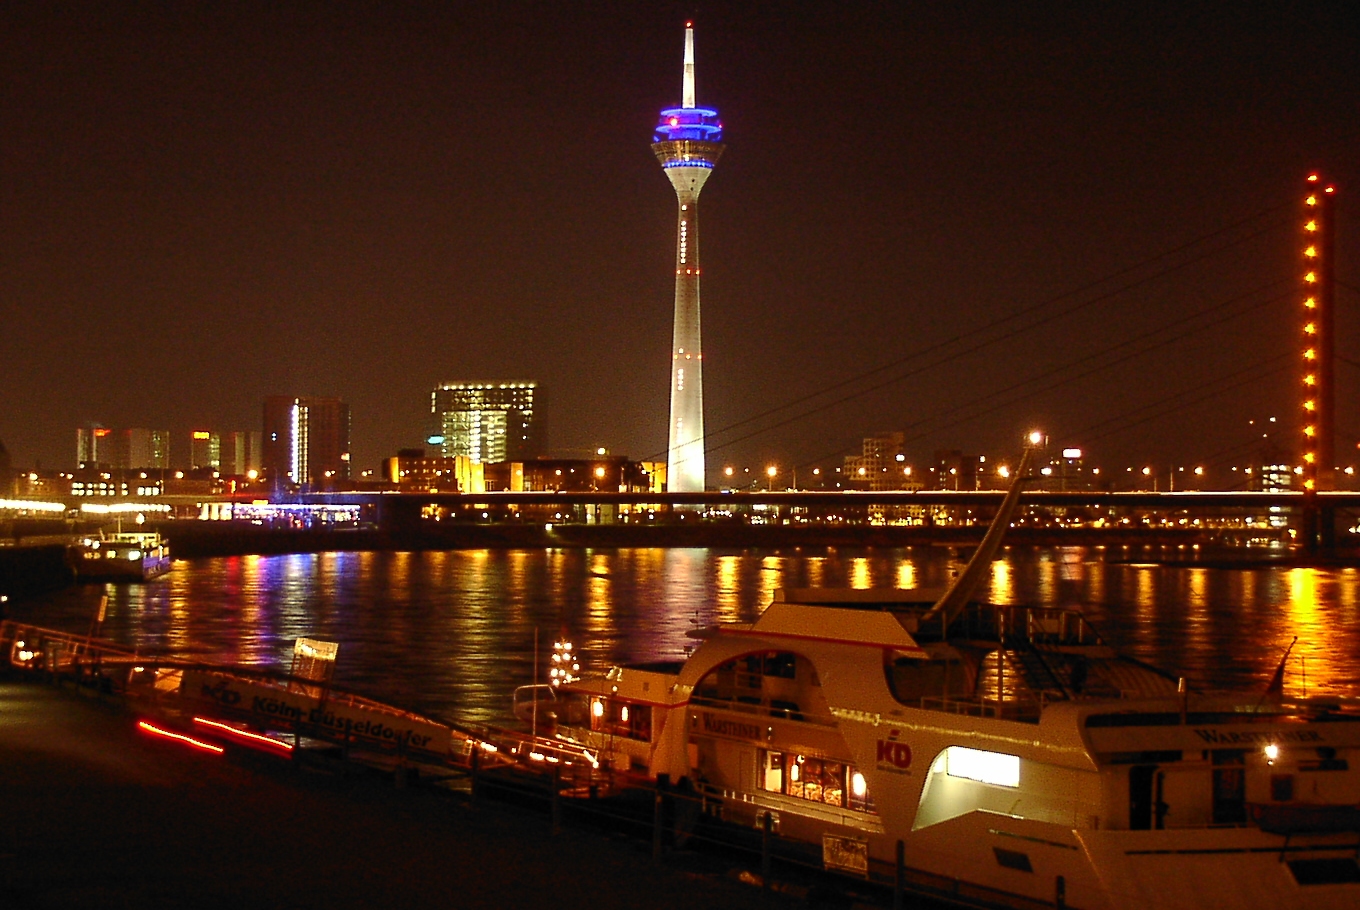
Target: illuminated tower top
<point>689,121</point>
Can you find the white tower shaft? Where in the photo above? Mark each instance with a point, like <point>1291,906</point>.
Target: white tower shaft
<point>685,467</point>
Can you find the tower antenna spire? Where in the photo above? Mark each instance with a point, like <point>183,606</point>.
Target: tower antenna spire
<point>687,89</point>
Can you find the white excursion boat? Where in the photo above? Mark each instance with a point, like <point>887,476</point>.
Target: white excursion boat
<point>120,556</point>
<point>995,755</point>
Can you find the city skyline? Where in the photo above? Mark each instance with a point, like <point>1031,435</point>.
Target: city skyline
<point>207,207</point>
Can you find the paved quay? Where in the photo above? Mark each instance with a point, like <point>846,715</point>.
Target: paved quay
<point>95,814</point>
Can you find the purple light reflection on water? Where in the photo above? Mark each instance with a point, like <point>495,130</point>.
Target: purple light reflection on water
<point>453,633</point>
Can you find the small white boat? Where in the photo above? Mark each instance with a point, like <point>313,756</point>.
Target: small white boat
<point>120,556</point>
<point>996,756</point>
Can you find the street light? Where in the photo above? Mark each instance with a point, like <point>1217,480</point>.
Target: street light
<point>771,471</point>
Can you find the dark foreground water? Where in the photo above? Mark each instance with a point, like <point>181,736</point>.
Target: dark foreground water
<point>453,633</point>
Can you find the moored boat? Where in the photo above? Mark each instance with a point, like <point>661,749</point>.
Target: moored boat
<point>998,755</point>
<point>120,556</point>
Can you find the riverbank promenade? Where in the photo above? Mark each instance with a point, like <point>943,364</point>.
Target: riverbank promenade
<point>97,814</point>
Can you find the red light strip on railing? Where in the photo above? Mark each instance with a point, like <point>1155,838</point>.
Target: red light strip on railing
<point>188,740</point>
<point>244,734</point>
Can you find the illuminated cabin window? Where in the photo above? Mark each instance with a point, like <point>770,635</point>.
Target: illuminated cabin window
<point>816,780</point>
<point>620,718</point>
<point>985,767</point>
<point>965,780</point>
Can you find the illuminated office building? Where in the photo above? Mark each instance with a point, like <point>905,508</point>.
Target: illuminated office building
<point>487,421</point>
<point>205,450</point>
<point>688,142</point>
<point>306,441</point>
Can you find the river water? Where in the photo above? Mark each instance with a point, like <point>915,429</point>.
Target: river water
<point>452,633</point>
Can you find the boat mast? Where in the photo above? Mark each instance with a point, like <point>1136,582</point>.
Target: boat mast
<point>951,604</point>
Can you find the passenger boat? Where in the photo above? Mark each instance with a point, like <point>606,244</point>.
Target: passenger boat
<point>120,556</point>
<point>997,756</point>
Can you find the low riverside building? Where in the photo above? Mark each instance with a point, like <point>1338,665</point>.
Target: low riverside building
<point>413,470</point>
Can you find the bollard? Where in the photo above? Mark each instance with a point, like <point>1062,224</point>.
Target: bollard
<point>472,774</point>
<point>556,800</point>
<point>766,827</point>
<point>657,824</point>
<point>1060,892</point>
<point>899,881</point>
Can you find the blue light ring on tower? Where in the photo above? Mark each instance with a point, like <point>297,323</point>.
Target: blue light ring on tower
<point>699,123</point>
<point>687,153</point>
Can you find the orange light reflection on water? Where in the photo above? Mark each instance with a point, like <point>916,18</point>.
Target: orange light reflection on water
<point>1312,612</point>
<point>861,573</point>
<point>1003,584</point>
<point>906,574</point>
<point>728,601</point>
<point>770,577</point>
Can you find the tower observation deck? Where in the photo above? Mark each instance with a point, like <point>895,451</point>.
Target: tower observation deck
<point>688,143</point>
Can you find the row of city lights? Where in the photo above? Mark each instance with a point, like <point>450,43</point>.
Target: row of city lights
<point>94,508</point>
<point>1003,470</point>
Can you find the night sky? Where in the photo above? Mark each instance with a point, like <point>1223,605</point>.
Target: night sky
<point>954,220</point>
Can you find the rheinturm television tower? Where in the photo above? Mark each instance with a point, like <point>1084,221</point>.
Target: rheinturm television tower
<point>688,143</point>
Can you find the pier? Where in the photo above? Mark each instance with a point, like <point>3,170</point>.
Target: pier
<point>100,812</point>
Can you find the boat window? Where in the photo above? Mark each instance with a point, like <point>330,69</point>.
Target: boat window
<point>1340,871</point>
<point>963,780</point>
<point>911,679</point>
<point>783,665</point>
<point>779,664</point>
<point>621,718</point>
<point>744,679</point>
<point>816,780</point>
<point>984,767</point>
<point>1229,786</point>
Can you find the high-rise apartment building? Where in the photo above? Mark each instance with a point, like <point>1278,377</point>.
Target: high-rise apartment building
<point>240,453</point>
<point>687,142</point>
<point>487,422</point>
<point>94,445</point>
<point>127,449</point>
<point>306,441</point>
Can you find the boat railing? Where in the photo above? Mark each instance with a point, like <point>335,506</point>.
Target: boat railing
<point>763,707</point>
<point>1024,709</point>
<point>776,803</point>
<point>526,698</point>
<point>1051,626</point>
